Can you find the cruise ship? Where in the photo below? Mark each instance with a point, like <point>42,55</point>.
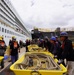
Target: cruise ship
<point>11,24</point>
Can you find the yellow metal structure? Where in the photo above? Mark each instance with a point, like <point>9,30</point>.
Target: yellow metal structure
<point>0,38</point>
<point>32,46</point>
<point>1,58</point>
<point>36,48</point>
<point>37,72</point>
<point>7,52</point>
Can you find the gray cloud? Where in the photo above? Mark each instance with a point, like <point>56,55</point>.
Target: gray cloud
<point>45,13</point>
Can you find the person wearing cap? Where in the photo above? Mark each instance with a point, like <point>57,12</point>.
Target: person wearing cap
<point>10,41</point>
<point>40,43</point>
<point>14,47</point>
<point>27,43</point>
<point>2,50</point>
<point>55,46</point>
<point>21,43</point>
<point>2,44</point>
<point>67,52</point>
<point>47,43</point>
<point>57,40</point>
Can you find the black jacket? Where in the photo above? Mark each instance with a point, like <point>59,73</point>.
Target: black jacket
<point>67,51</point>
<point>14,50</point>
<point>55,49</point>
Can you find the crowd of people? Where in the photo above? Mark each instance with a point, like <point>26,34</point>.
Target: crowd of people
<point>61,47</point>
<point>14,49</point>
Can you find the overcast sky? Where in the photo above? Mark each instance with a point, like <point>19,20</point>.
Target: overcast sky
<point>45,13</point>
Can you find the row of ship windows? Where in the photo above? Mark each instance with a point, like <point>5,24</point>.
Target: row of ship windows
<point>6,36</point>
<point>6,20</point>
<point>7,31</point>
<point>6,17</point>
<point>3,17</point>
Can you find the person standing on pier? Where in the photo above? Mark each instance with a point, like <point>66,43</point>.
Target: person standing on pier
<point>67,52</point>
<point>14,47</point>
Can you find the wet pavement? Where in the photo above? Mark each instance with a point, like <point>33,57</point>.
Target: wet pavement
<point>6,70</point>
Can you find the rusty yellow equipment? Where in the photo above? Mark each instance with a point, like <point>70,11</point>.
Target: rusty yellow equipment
<point>38,63</point>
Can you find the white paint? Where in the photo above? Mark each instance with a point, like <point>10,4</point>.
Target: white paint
<point>9,36</point>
